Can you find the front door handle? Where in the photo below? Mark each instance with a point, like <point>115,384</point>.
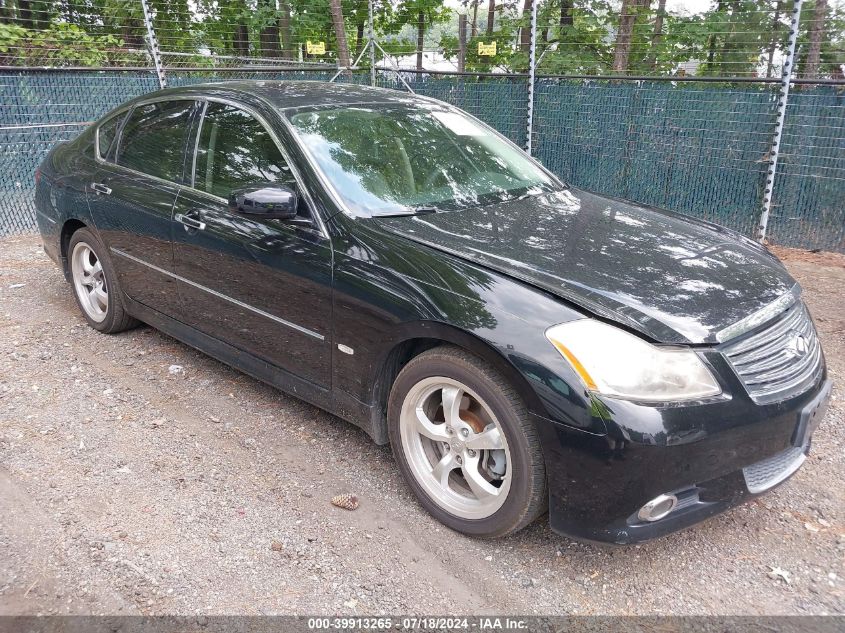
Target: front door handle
<point>100,188</point>
<point>190,222</point>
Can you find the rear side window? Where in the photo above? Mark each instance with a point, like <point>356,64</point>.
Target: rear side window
<point>234,151</point>
<point>153,139</point>
<point>106,134</point>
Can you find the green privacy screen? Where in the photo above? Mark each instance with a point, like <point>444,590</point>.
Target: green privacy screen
<point>697,148</point>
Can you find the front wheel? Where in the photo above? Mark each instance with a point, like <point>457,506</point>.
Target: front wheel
<point>465,444</point>
<point>95,285</point>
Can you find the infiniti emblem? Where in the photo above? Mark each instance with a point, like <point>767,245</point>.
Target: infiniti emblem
<point>798,346</point>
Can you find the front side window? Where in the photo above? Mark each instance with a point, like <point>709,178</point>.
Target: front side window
<point>106,134</point>
<point>385,160</point>
<point>153,139</point>
<point>235,151</point>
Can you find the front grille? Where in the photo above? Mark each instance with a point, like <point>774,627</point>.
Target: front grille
<point>772,363</point>
<point>763,475</point>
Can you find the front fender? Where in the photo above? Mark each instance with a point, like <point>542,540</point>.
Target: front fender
<point>390,293</point>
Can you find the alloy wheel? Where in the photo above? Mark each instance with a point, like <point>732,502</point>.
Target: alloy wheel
<point>89,281</point>
<point>456,449</point>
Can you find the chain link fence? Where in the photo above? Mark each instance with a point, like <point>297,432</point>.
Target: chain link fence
<point>695,148</point>
<point>41,108</point>
<point>729,111</point>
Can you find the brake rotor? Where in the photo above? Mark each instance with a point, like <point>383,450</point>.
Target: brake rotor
<point>472,419</point>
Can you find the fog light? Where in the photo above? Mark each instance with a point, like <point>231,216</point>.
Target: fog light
<point>657,508</point>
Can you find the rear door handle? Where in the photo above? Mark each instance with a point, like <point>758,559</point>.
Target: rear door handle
<point>100,188</point>
<point>190,222</point>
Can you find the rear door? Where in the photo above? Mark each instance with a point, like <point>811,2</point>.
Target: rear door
<point>261,285</point>
<point>133,193</point>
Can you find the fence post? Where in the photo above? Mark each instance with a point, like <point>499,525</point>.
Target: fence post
<point>532,68</point>
<point>371,34</point>
<point>153,42</point>
<point>774,151</point>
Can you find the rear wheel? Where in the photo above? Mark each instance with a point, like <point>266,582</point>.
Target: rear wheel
<point>95,285</point>
<point>465,444</point>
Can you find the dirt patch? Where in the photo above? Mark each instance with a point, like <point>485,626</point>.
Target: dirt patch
<point>128,488</point>
<point>820,258</point>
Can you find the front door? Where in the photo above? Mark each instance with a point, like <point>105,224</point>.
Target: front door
<point>132,197</point>
<point>261,285</point>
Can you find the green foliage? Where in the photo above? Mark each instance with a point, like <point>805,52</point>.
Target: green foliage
<point>734,36</point>
<point>574,37</point>
<point>582,48</point>
<point>59,45</point>
<point>12,36</point>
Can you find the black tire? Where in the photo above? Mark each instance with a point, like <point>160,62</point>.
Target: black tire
<point>527,498</point>
<point>116,318</point>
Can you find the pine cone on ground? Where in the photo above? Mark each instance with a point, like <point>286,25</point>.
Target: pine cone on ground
<point>346,501</point>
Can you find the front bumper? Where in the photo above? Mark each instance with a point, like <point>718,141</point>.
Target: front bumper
<point>712,456</point>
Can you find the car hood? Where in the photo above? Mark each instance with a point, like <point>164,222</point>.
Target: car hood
<point>672,278</point>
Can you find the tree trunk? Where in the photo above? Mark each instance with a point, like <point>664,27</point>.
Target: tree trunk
<point>474,27</point>
<point>270,41</point>
<point>656,35</point>
<point>566,18</point>
<point>628,16</point>
<point>25,14</point>
<point>269,36</point>
<point>814,49</point>
<point>240,37</point>
<point>241,40</point>
<point>491,16</point>
<point>525,34</point>
<point>359,38</point>
<point>362,18</point>
<point>711,50</point>
<point>420,38</point>
<point>340,34</point>
<point>284,30</point>
<point>712,41</point>
<point>132,33</point>
<point>623,37</point>
<point>40,16</point>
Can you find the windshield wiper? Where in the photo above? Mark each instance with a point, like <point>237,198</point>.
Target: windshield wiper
<point>421,210</point>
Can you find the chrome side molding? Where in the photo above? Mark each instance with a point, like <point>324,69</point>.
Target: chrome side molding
<point>241,304</point>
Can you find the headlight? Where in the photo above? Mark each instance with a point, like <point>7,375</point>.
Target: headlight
<point>613,362</point>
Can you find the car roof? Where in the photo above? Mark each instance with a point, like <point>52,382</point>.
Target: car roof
<point>297,94</point>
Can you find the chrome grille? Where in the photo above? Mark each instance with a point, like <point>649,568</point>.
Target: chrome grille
<point>763,475</point>
<point>770,363</point>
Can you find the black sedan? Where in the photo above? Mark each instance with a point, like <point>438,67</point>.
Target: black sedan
<point>521,344</point>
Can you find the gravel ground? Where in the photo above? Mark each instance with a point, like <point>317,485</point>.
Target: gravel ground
<point>140,476</point>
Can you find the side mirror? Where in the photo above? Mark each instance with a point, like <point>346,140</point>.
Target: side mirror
<point>265,201</point>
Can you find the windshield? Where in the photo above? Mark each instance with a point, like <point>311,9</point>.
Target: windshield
<point>384,161</point>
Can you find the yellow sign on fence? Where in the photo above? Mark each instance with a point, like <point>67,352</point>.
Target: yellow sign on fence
<point>487,50</point>
<point>315,48</point>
